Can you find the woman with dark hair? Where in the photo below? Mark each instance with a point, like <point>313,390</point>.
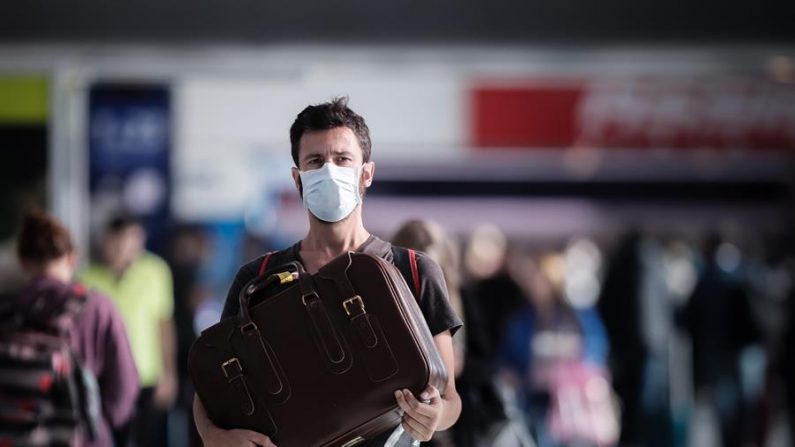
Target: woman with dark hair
<point>96,332</point>
<point>431,239</point>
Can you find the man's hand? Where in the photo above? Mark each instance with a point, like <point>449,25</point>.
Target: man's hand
<point>218,437</point>
<point>421,419</point>
<point>166,391</point>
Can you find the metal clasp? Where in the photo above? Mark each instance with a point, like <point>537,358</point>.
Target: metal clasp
<point>286,277</point>
<point>354,441</point>
<point>350,301</point>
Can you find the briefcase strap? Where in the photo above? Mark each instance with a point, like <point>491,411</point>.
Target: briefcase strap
<point>263,363</point>
<point>233,372</point>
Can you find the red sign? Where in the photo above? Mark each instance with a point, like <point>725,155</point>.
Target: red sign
<point>636,113</point>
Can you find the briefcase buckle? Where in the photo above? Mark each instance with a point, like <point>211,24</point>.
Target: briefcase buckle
<point>230,363</point>
<point>349,301</point>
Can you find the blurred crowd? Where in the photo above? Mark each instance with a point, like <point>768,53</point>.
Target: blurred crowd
<point>631,339</point>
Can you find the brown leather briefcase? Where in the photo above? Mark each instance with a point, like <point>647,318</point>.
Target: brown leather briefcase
<point>317,364</point>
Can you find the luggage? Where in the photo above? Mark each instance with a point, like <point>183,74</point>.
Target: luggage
<point>317,363</point>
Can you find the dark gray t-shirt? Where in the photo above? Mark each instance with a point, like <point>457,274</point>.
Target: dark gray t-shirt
<point>433,299</point>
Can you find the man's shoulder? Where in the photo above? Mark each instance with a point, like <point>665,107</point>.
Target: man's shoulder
<point>150,260</point>
<point>425,264</point>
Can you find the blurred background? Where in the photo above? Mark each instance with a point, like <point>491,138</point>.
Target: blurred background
<point>631,160</point>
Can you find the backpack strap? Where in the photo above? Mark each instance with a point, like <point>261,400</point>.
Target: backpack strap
<point>405,260</point>
<point>263,267</point>
<point>415,272</point>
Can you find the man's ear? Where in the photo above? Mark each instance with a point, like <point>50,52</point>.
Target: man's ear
<point>368,172</point>
<point>297,180</point>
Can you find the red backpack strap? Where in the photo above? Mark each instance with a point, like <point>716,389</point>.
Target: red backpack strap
<point>415,272</point>
<point>264,265</point>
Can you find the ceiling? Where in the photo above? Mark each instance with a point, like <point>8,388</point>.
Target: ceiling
<point>399,21</point>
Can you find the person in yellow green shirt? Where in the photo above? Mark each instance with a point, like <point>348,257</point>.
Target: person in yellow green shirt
<point>140,283</point>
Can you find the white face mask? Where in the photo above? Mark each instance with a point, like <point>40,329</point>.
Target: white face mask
<point>331,193</point>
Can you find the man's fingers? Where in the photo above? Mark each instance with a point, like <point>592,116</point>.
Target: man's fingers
<point>414,428</point>
<point>259,438</point>
<point>402,403</point>
<point>418,407</point>
<point>431,395</point>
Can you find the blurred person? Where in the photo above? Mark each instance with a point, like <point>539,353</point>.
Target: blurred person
<point>331,149</point>
<point>551,345</point>
<point>636,307</point>
<point>787,362</point>
<point>490,298</point>
<point>430,238</point>
<point>719,320</point>
<point>96,332</point>
<point>496,296</point>
<point>188,251</point>
<point>141,285</point>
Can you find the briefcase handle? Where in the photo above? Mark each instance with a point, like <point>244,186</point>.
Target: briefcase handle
<point>283,275</point>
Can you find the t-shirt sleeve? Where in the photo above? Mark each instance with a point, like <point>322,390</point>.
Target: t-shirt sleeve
<point>245,274</point>
<point>165,304</point>
<point>118,379</point>
<point>434,301</point>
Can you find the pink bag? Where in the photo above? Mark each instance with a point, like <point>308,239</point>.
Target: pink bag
<point>583,407</point>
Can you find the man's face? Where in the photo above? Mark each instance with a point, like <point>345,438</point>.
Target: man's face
<point>121,248</point>
<point>338,146</point>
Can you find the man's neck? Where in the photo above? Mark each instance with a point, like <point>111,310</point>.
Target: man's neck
<point>331,240</point>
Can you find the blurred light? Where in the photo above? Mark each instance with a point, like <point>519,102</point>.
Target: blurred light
<point>583,254</point>
<point>728,257</point>
<point>145,191</point>
<point>680,272</point>
<point>681,277</point>
<point>583,262</point>
<point>582,288</point>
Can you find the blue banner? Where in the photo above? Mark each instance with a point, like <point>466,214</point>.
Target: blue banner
<point>129,155</point>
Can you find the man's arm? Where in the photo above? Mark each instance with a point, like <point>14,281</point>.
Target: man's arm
<point>167,386</point>
<point>443,407</point>
<point>212,436</point>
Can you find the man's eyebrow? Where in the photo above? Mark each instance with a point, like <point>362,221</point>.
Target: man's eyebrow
<point>312,155</point>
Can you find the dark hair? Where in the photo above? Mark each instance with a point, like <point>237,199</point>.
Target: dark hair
<point>330,115</point>
<point>42,239</point>
<point>121,222</point>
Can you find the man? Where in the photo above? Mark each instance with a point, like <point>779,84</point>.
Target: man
<point>331,150</point>
<point>141,285</point>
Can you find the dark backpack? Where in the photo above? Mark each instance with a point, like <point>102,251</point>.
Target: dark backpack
<point>47,397</point>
